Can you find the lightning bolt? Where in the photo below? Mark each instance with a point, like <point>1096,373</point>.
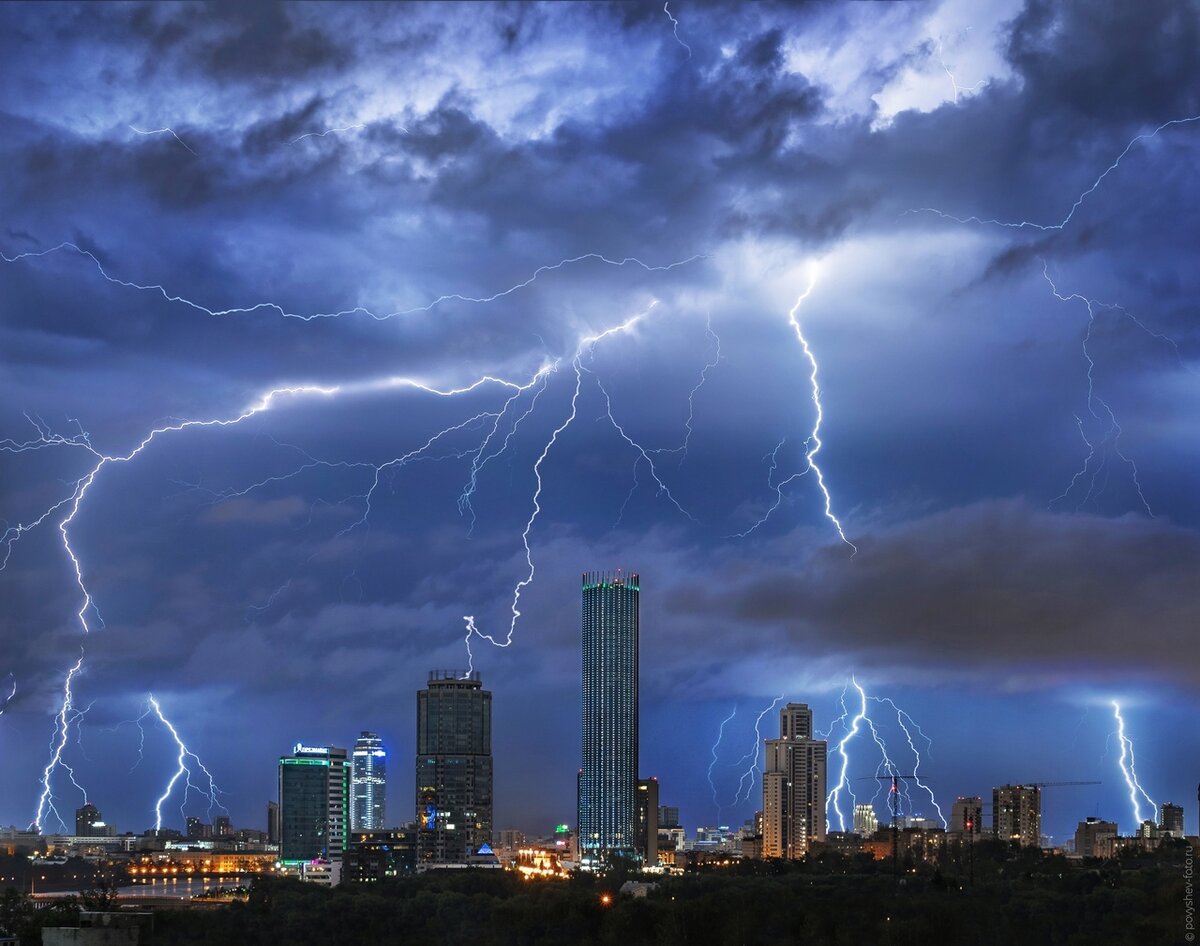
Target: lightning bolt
<point>163,131</point>
<point>713,764</point>
<point>58,743</point>
<point>331,131</point>
<point>813,444</point>
<point>904,720</point>
<point>4,703</point>
<point>675,29</point>
<point>751,759</point>
<point>586,346</point>
<point>958,90</point>
<point>1027,224</point>
<point>1112,434</point>
<point>184,771</point>
<point>682,449</point>
<point>833,799</point>
<point>1129,771</point>
<point>886,766</point>
<point>356,310</point>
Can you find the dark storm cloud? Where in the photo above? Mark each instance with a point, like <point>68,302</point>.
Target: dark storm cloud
<point>239,41</point>
<point>993,589</point>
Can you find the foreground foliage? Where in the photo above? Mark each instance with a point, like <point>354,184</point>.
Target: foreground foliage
<point>1018,897</point>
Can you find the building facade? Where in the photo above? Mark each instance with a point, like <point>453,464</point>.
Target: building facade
<point>646,842</point>
<point>454,768</point>
<point>86,818</point>
<point>372,856</point>
<point>1017,814</point>
<point>866,822</point>
<point>1171,820</point>
<point>608,778</point>
<point>1092,837</point>
<point>314,813</point>
<point>794,778</point>
<point>966,816</point>
<point>368,784</point>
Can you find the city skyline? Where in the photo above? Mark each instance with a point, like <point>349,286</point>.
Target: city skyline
<point>338,339</point>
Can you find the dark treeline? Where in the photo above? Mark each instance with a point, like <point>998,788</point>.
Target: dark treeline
<point>1022,898</point>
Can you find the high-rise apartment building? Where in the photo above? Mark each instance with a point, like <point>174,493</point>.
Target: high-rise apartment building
<point>368,784</point>
<point>794,776</point>
<point>314,811</point>
<point>1017,814</point>
<point>608,778</point>
<point>1171,819</point>
<point>454,767</point>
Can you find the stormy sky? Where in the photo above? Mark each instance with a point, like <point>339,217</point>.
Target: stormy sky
<point>981,215</point>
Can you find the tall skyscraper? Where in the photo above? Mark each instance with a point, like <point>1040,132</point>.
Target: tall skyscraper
<point>454,767</point>
<point>608,779</point>
<point>1017,814</point>
<point>368,784</point>
<point>314,811</point>
<point>794,774</point>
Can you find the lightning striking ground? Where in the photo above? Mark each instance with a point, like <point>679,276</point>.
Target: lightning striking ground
<point>213,792</point>
<point>904,721</point>
<point>1129,771</point>
<point>852,724</point>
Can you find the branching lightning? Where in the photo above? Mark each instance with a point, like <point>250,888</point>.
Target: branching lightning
<point>713,764</point>
<point>356,310</point>
<point>751,759</point>
<point>163,131</point>
<point>1129,770</point>
<point>958,90</point>
<point>1061,225</point>
<point>586,346</point>
<point>330,131</point>
<point>1104,415</point>
<point>212,793</point>
<point>904,721</point>
<point>886,765</point>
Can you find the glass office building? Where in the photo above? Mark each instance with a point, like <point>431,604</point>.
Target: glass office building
<point>454,767</point>
<point>368,784</point>
<point>608,778</point>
